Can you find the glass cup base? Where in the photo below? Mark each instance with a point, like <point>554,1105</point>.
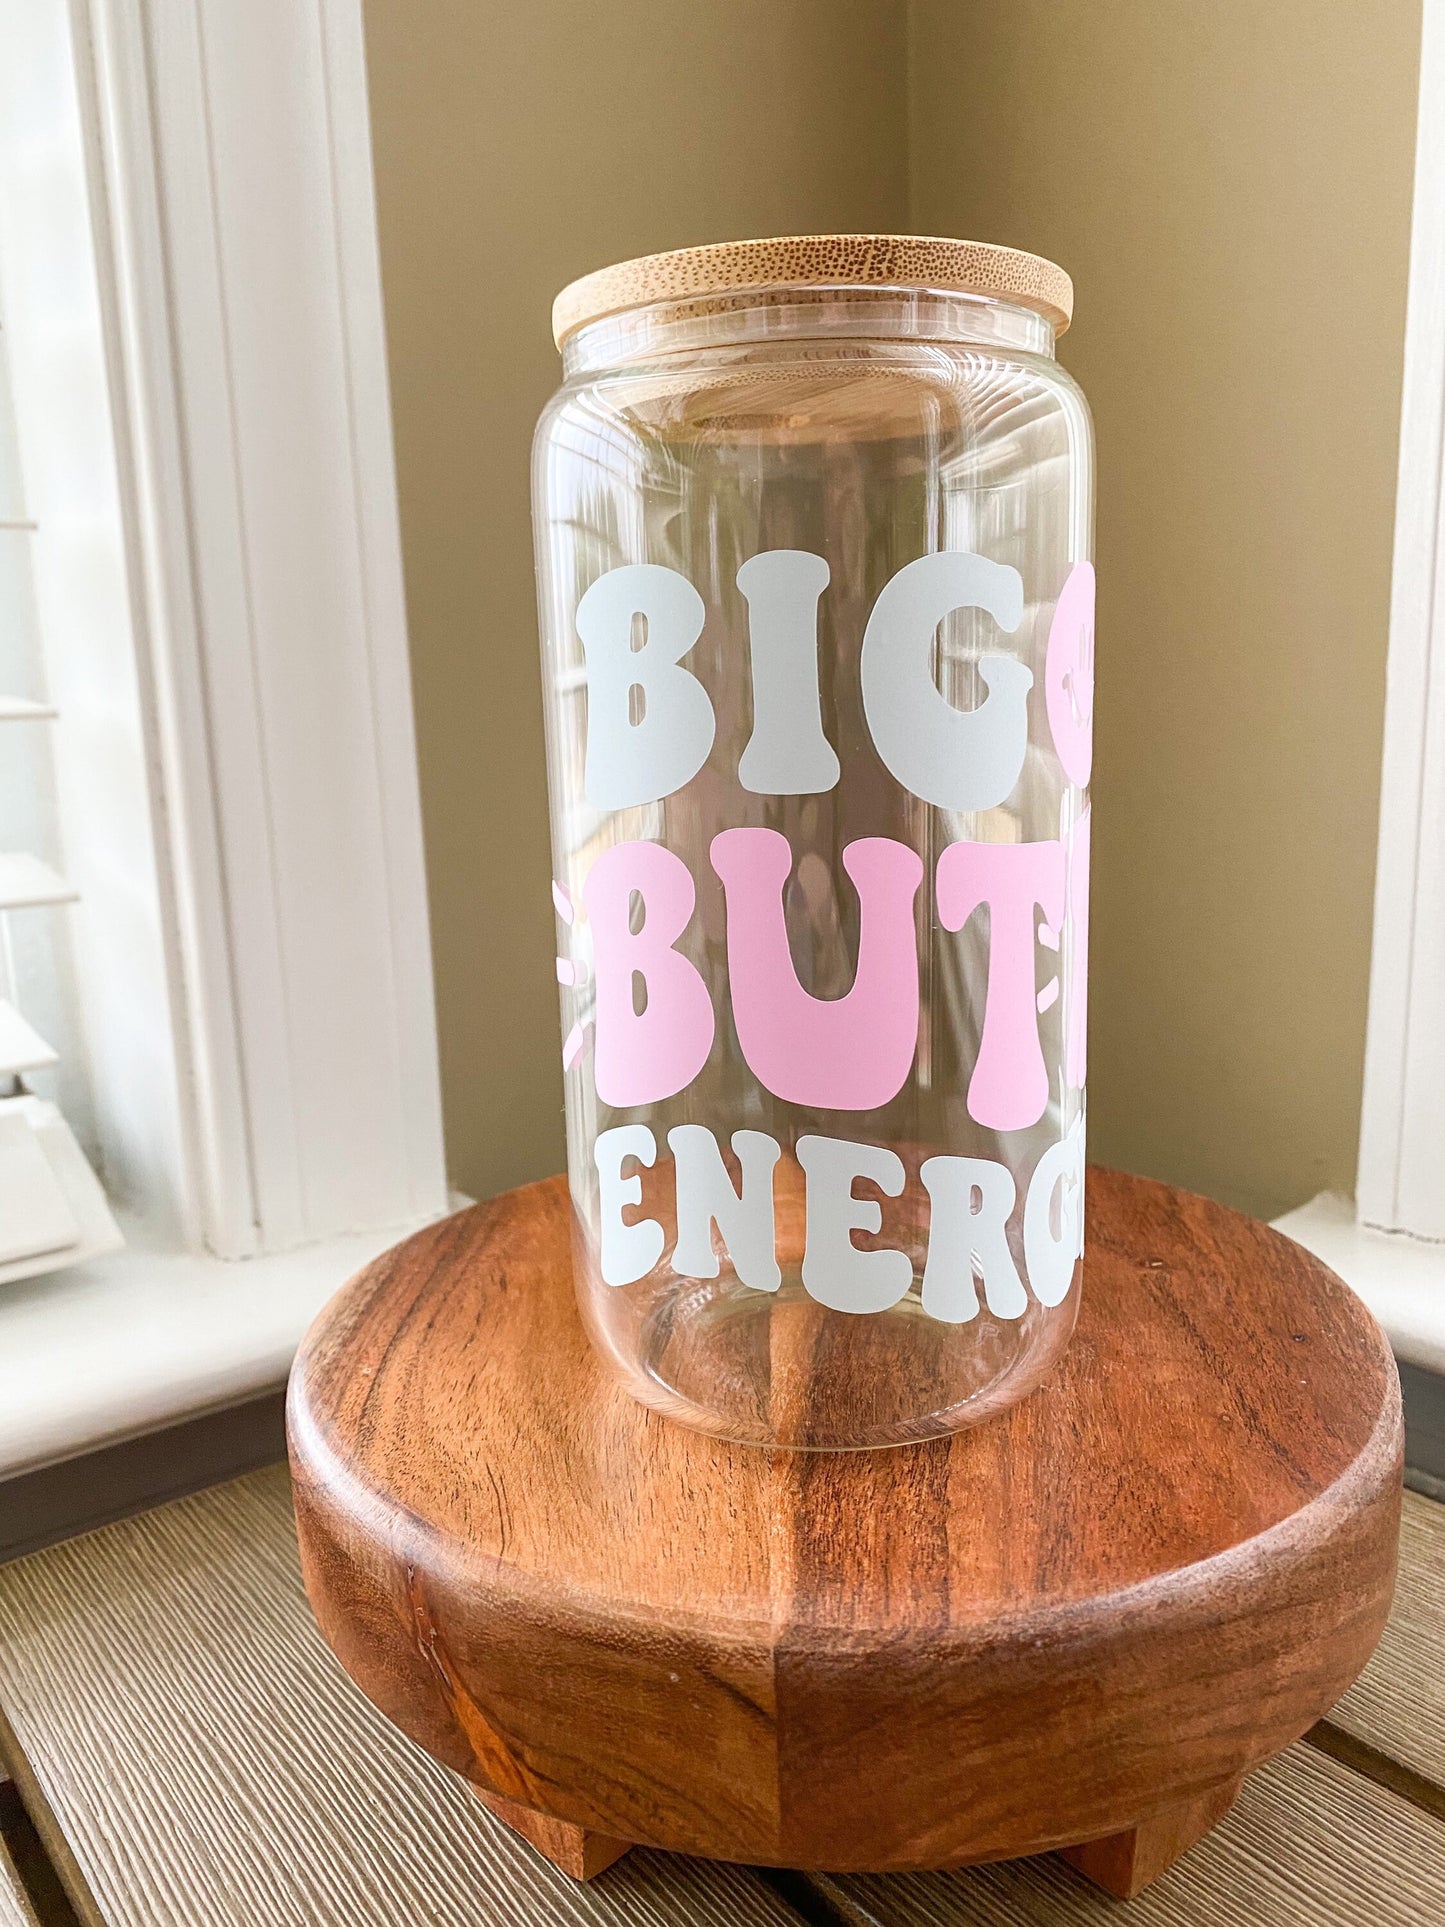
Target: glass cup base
<point>778,1369</point>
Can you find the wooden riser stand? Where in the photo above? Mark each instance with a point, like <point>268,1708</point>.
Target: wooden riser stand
<point>1075,1627</point>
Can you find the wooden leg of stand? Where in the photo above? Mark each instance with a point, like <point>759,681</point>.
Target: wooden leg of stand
<point>1125,1863</point>
<point>574,1849</point>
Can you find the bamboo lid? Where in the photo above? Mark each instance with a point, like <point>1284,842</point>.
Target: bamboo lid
<point>818,260</point>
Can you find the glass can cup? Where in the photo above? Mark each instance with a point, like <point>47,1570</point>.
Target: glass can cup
<point>813,522</point>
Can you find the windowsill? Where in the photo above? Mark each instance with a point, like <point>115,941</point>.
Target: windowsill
<point>1401,1279</point>
<point>140,1338</point>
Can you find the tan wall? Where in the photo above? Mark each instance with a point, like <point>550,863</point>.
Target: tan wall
<point>517,146</point>
<point>1229,186</point>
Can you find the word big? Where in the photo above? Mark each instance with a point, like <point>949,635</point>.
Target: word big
<point>957,759</point>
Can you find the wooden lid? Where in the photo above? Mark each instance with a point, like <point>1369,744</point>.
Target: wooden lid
<point>819,261</point>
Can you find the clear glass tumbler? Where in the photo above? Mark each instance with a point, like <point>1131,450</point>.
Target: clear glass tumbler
<point>813,522</point>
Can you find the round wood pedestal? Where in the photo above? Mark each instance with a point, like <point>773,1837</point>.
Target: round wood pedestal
<point>1076,1626</point>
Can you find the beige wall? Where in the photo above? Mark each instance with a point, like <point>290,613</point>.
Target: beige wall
<point>517,146</point>
<point>1229,186</point>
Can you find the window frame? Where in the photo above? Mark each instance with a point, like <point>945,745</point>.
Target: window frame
<point>237,231</point>
<point>1389,1241</point>
<point>228,165</point>
<point>1403,1114</point>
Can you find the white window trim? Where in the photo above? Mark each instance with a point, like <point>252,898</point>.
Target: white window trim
<point>1390,1242</point>
<point>235,164</point>
<point>236,231</point>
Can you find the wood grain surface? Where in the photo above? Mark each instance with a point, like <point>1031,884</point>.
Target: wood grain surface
<point>194,1756</point>
<point>1143,1580</point>
<point>1392,1720</point>
<point>1308,1844</point>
